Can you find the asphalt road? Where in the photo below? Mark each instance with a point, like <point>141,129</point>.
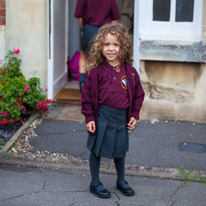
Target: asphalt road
<point>34,187</point>
<point>151,143</point>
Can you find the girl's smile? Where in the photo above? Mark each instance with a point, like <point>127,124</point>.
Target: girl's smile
<point>111,49</point>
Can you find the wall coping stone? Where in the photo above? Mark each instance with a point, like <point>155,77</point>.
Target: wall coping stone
<point>173,51</point>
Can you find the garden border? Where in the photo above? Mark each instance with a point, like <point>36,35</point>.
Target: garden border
<point>18,133</point>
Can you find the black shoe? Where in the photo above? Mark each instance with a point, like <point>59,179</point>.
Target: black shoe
<point>125,189</point>
<point>99,191</point>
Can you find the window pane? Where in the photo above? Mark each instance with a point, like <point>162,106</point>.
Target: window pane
<point>184,10</point>
<point>161,10</point>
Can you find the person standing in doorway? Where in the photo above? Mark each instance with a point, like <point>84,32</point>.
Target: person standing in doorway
<point>112,97</point>
<point>91,15</point>
<point>126,10</point>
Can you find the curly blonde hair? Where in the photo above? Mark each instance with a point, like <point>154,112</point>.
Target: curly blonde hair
<point>117,29</point>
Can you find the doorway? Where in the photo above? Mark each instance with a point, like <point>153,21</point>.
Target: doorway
<point>70,91</point>
<point>64,41</point>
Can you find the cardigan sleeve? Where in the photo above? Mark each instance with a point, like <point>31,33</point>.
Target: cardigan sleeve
<point>86,101</point>
<point>138,97</point>
<point>79,10</point>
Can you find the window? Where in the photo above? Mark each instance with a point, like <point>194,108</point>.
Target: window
<point>161,10</point>
<point>170,19</point>
<point>184,10</point>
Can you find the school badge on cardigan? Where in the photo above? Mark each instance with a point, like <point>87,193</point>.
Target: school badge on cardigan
<point>124,82</point>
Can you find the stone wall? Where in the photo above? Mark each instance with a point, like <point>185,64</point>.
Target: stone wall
<point>174,90</point>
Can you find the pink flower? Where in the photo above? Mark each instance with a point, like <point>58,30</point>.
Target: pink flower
<point>37,104</point>
<point>45,108</point>
<point>26,87</point>
<point>48,101</point>
<point>3,122</point>
<point>46,90</point>
<point>1,61</point>
<point>24,108</point>
<point>12,122</point>
<point>43,103</point>
<point>16,51</point>
<point>3,113</point>
<point>21,121</point>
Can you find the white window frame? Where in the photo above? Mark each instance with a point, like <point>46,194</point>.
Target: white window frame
<point>161,30</point>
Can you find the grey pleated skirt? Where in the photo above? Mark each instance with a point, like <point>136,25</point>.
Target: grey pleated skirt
<point>111,139</point>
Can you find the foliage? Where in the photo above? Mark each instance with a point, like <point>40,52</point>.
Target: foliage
<point>190,176</point>
<point>16,93</point>
<point>2,143</point>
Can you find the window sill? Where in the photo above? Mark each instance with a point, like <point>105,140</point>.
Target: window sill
<point>173,51</point>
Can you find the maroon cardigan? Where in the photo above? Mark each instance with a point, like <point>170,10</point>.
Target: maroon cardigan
<point>89,98</point>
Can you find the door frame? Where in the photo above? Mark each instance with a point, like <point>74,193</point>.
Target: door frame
<point>50,51</point>
<point>136,36</point>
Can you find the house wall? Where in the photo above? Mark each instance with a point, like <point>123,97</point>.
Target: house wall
<point>173,76</point>
<point>2,40</point>
<point>2,12</point>
<point>2,28</point>
<point>26,29</point>
<point>174,90</point>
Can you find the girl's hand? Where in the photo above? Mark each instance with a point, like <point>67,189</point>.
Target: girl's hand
<point>91,127</point>
<point>132,123</point>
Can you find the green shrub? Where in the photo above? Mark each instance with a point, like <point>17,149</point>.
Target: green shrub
<point>16,93</point>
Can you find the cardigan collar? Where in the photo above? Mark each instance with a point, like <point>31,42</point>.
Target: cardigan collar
<point>108,66</point>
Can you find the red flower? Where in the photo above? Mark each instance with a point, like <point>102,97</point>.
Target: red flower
<point>43,103</point>
<point>37,104</point>
<point>45,108</point>
<point>24,108</point>
<point>16,51</point>
<point>12,122</point>
<point>3,122</point>
<point>21,121</point>
<point>48,101</point>
<point>46,90</point>
<point>3,113</point>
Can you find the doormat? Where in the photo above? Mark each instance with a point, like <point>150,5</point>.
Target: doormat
<point>68,94</point>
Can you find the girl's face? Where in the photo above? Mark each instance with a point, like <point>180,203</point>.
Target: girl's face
<point>111,49</point>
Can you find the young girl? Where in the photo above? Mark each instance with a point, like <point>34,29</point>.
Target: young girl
<point>111,100</point>
<point>91,15</point>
